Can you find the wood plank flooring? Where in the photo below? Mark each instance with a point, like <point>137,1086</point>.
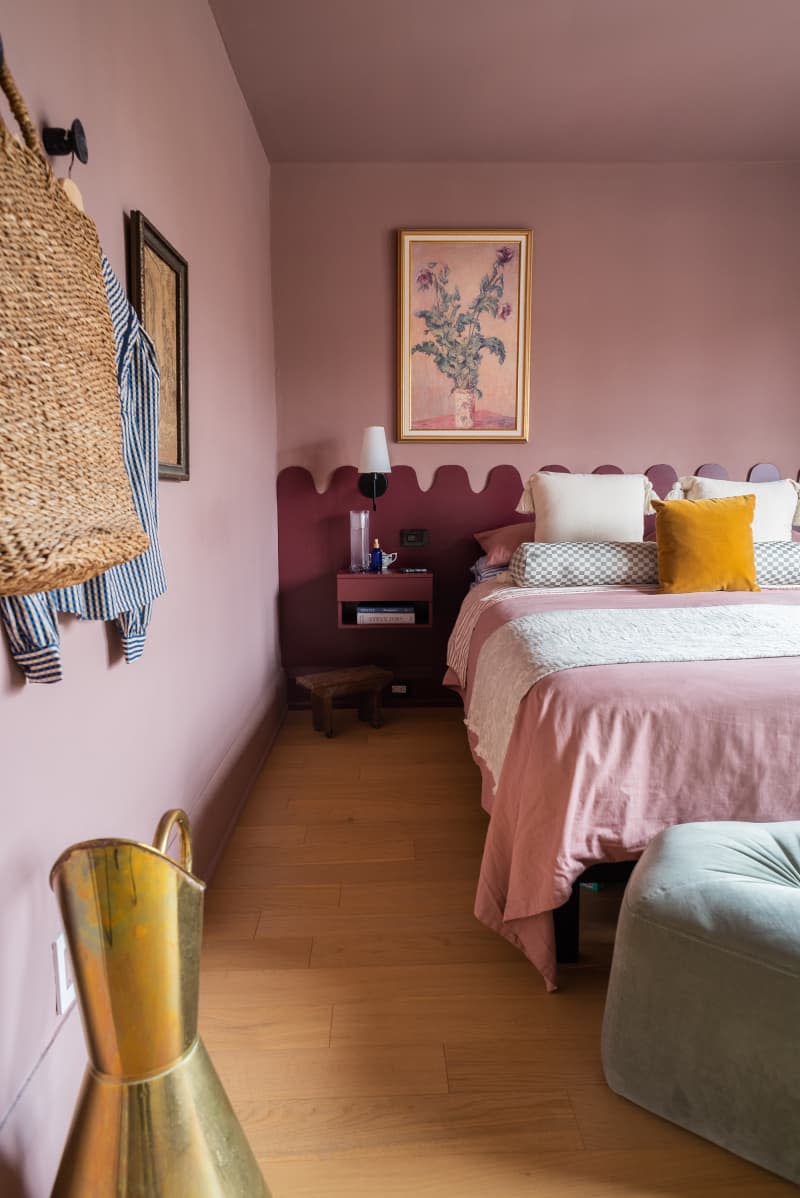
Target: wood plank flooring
<point>374,1038</point>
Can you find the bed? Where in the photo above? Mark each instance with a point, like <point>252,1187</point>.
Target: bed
<point>600,757</point>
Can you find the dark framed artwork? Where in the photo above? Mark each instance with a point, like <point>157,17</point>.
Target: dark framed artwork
<point>159,292</point>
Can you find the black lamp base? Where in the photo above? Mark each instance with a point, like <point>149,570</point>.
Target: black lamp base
<point>373,486</point>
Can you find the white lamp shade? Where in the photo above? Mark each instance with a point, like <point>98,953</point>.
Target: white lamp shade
<point>374,452</point>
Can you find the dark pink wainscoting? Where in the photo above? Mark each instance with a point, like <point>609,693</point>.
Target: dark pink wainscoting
<point>313,543</point>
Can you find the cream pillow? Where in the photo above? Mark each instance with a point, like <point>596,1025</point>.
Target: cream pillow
<point>587,507</point>
<point>777,503</point>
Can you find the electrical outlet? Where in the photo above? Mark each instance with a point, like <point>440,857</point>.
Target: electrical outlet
<point>400,688</point>
<point>65,987</point>
<point>413,538</point>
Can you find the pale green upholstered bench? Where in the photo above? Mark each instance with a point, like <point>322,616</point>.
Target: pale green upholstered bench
<point>702,1020</point>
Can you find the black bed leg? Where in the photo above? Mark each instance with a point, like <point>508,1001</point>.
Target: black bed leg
<point>566,920</point>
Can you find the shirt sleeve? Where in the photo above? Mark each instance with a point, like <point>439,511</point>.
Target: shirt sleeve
<point>31,627</point>
<point>133,630</point>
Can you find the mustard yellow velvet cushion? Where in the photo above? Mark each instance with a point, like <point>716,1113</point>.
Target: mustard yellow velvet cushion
<point>706,544</point>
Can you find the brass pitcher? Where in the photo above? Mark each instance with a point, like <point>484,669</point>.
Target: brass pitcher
<point>152,1119</point>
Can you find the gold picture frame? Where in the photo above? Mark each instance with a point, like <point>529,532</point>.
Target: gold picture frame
<point>464,334</point>
<point>160,294</point>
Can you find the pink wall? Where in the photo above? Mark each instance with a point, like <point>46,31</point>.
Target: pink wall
<point>109,748</point>
<point>666,304</point>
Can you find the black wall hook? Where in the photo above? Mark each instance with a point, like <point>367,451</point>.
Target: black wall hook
<point>66,141</point>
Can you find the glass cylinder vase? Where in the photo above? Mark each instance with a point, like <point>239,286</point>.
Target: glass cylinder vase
<point>359,541</point>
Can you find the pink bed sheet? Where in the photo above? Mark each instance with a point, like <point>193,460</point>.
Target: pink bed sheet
<point>602,758</point>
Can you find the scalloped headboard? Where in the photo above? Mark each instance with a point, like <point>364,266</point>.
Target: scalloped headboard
<point>313,543</point>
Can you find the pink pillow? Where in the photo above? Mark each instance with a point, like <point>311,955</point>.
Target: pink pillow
<point>500,543</point>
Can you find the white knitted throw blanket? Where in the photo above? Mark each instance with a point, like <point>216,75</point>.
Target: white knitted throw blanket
<point>529,648</point>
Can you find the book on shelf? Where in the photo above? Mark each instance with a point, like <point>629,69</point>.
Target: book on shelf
<point>381,613</point>
<point>384,617</point>
<point>386,607</point>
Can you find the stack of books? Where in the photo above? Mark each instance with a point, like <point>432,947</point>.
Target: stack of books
<point>384,613</point>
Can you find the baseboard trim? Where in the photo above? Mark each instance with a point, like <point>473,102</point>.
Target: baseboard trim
<point>216,810</point>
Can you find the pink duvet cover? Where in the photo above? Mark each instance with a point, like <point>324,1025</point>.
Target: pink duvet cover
<point>604,757</point>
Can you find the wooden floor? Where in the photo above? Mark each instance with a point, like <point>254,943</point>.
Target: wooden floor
<point>373,1037</point>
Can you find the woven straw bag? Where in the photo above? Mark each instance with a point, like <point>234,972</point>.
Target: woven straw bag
<point>66,508</point>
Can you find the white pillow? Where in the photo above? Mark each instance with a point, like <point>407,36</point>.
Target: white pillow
<point>777,503</point>
<point>587,507</point>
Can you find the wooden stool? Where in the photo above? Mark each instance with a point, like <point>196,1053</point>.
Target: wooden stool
<point>365,681</point>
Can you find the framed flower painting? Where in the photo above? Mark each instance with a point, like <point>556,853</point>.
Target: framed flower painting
<point>464,301</point>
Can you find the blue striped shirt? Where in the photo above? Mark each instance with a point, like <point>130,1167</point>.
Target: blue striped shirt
<point>124,593</point>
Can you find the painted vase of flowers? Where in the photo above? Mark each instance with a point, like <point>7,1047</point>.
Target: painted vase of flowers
<point>453,334</point>
<point>465,400</point>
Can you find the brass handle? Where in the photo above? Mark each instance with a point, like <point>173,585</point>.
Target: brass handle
<point>164,830</point>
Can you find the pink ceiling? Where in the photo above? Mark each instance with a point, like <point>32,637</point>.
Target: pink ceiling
<point>510,80</point>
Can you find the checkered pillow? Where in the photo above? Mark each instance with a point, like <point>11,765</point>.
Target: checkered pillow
<point>585,563</point>
<point>778,563</point>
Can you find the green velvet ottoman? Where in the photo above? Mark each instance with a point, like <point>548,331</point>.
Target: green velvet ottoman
<point>702,1020</point>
